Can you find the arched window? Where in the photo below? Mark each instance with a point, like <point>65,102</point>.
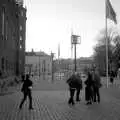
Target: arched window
<point>20,38</point>
<point>21,28</point>
<point>6,64</point>
<point>20,46</point>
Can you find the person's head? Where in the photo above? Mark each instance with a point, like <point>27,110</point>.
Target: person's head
<point>23,76</point>
<point>74,73</point>
<point>27,76</point>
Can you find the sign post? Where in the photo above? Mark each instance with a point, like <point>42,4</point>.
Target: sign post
<point>75,40</point>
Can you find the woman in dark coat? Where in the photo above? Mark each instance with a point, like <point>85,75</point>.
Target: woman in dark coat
<point>89,89</point>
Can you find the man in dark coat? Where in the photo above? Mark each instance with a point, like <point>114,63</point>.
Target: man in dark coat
<point>96,85</point>
<point>26,89</point>
<point>74,84</point>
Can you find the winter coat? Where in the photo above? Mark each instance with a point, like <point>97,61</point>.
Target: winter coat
<point>97,81</point>
<point>74,82</point>
<point>27,84</point>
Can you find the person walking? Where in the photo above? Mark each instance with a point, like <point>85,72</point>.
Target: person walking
<point>26,89</point>
<point>89,89</point>
<point>96,85</point>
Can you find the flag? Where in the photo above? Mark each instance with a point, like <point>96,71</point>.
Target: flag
<point>110,13</point>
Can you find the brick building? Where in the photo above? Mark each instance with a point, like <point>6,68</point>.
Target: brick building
<point>12,37</point>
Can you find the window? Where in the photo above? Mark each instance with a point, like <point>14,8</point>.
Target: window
<point>6,29</point>
<point>20,27</point>
<point>20,38</point>
<point>6,64</point>
<point>17,15</point>
<point>20,46</point>
<point>21,13</point>
<point>3,20</point>
<point>2,63</point>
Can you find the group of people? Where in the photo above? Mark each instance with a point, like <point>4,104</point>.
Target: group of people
<point>92,85</point>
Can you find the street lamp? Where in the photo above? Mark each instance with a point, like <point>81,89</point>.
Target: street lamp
<point>52,55</point>
<point>75,40</point>
<point>39,66</point>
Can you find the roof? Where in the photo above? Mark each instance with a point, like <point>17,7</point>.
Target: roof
<point>41,53</point>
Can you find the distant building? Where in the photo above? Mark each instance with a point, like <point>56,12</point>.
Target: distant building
<point>12,37</point>
<point>68,64</point>
<point>66,67</point>
<point>38,63</point>
<point>84,62</point>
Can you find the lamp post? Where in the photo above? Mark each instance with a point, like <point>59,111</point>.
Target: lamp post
<point>52,55</point>
<point>39,66</point>
<point>75,40</point>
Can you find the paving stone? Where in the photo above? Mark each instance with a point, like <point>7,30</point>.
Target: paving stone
<point>52,105</point>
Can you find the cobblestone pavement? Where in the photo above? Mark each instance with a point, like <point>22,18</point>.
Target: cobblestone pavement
<point>52,105</point>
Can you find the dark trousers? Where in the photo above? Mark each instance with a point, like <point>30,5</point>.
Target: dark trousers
<point>28,93</point>
<point>78,94</point>
<point>111,80</point>
<point>88,94</point>
<point>71,99</point>
<point>96,94</point>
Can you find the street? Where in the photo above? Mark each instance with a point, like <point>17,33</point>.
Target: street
<point>51,49</point>
<point>51,104</point>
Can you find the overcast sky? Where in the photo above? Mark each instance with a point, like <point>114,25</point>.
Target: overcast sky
<point>49,22</point>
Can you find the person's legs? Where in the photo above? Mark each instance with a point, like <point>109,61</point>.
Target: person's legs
<point>23,100</point>
<point>94,94</point>
<point>78,94</point>
<point>71,99</point>
<point>91,95</point>
<point>30,100</point>
<point>98,95</point>
<point>87,95</point>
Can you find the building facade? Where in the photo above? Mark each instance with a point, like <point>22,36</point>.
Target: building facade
<point>38,63</point>
<point>68,64</point>
<point>12,37</point>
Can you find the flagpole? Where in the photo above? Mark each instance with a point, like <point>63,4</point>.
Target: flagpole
<point>58,51</point>
<point>71,44</point>
<point>106,44</point>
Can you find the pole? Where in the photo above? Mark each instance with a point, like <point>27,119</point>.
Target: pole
<point>75,56</point>
<point>106,45</point>
<point>52,55</point>
<point>71,43</point>
<point>58,51</point>
<point>39,66</point>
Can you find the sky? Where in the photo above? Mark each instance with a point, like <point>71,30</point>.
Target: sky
<point>51,22</point>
